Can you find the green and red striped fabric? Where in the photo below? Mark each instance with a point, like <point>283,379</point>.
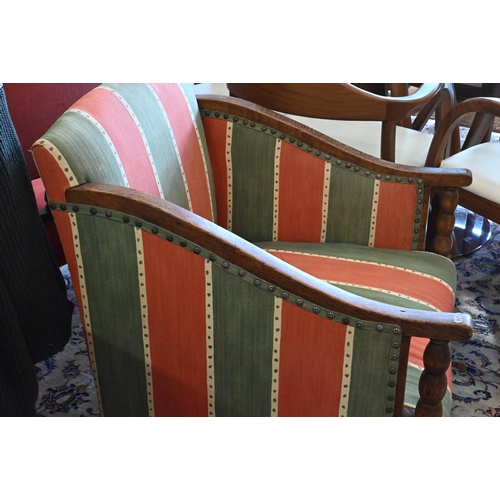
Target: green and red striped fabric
<point>190,336</point>
<point>145,136</point>
<point>196,338</point>
<point>262,179</point>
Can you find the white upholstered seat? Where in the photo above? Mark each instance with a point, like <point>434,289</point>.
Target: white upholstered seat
<point>483,161</point>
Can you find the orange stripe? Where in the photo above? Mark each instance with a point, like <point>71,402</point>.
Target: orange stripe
<point>309,384</point>
<point>177,328</point>
<point>50,169</point>
<point>216,134</point>
<point>182,125</point>
<point>398,281</point>
<point>395,232</point>
<point>301,178</point>
<point>116,120</point>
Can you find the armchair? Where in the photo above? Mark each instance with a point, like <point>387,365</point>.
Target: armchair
<point>229,261</point>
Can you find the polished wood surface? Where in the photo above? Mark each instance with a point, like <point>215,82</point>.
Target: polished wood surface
<point>340,101</point>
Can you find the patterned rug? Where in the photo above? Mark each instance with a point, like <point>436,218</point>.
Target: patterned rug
<point>67,387</point>
<point>476,363</point>
<point>66,384</point>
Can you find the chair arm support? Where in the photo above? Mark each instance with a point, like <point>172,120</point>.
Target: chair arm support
<point>258,114</point>
<point>237,251</point>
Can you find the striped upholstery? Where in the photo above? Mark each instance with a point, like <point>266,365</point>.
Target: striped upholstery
<point>416,280</point>
<point>147,137</point>
<point>255,167</point>
<point>193,335</point>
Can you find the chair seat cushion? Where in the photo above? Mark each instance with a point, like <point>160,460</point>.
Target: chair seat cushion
<point>417,280</point>
<point>483,161</point>
<point>411,145</point>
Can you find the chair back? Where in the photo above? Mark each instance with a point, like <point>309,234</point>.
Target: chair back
<point>343,101</point>
<point>144,136</point>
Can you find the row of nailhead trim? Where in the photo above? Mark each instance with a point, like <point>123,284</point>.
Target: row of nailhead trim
<point>335,162</point>
<point>123,218</point>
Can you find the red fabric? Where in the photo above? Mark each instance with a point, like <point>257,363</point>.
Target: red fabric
<point>398,281</point>
<point>189,147</point>
<point>177,328</point>
<point>310,385</point>
<point>34,107</point>
<point>116,120</point>
<point>392,232</point>
<point>301,177</point>
<point>215,133</point>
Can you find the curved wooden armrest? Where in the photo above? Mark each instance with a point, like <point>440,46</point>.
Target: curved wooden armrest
<point>338,101</point>
<point>262,116</point>
<point>239,252</point>
<point>486,108</point>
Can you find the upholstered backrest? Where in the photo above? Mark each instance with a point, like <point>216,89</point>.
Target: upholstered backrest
<point>264,180</point>
<point>145,136</point>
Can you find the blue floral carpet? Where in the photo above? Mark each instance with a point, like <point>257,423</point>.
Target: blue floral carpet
<point>476,363</point>
<point>66,386</point>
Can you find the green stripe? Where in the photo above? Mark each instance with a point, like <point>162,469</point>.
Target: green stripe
<point>84,146</point>
<point>253,180</point>
<point>350,199</point>
<point>243,346</point>
<point>109,259</point>
<point>149,112</point>
<point>370,375</point>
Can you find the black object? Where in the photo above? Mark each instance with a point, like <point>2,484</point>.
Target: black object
<point>35,313</point>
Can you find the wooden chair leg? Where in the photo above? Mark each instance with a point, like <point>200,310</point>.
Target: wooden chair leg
<point>433,381</point>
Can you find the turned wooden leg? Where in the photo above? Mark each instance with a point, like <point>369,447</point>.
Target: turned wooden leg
<point>445,221</point>
<point>433,381</point>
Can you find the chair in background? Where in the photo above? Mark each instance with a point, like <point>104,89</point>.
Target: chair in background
<point>379,125</point>
<point>35,313</point>
<point>229,261</point>
<point>46,101</point>
<point>375,124</point>
<point>478,154</point>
